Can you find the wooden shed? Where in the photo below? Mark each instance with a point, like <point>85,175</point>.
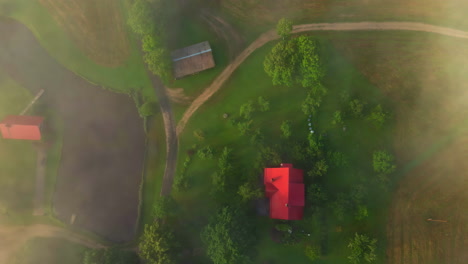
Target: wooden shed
<point>192,59</point>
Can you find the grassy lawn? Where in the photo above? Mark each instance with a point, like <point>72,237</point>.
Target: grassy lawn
<point>155,164</point>
<point>357,144</point>
<point>17,158</point>
<point>130,75</point>
<point>50,251</point>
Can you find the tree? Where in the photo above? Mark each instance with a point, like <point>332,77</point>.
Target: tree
<point>362,249</point>
<point>312,252</point>
<point>157,245</point>
<point>310,69</point>
<point>141,17</point>
<point>264,104</point>
<point>164,207</point>
<point>109,256</point>
<point>378,116</point>
<point>286,129</point>
<point>315,145</point>
<point>284,27</point>
<point>383,162</point>
<point>159,62</point>
<point>294,61</point>
<point>205,153</point>
<point>249,191</point>
<point>356,107</point>
<point>246,110</point>
<point>228,237</point>
<point>313,100</point>
<point>320,167</point>
<point>337,119</point>
<point>224,170</point>
<point>148,109</point>
<point>244,127</point>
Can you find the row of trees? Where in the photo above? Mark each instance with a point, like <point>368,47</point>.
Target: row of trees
<point>149,20</point>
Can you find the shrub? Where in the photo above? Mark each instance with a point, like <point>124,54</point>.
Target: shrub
<point>148,109</point>
<point>286,129</point>
<point>249,191</point>
<point>356,108</point>
<point>244,127</point>
<point>337,118</point>
<point>246,110</point>
<point>312,252</point>
<point>205,153</point>
<point>378,116</point>
<point>264,105</point>
<point>362,249</point>
<point>383,162</point>
<point>199,134</point>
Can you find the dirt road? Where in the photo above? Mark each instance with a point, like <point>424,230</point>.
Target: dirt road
<point>271,35</point>
<point>14,237</point>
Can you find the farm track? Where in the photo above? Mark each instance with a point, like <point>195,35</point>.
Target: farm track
<point>271,35</point>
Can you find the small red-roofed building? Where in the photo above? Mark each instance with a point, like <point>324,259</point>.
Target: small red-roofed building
<point>285,188</point>
<point>21,127</point>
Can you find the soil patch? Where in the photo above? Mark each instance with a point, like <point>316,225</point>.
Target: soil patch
<point>102,155</point>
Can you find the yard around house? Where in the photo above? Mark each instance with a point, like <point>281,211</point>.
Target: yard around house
<point>17,158</point>
<point>342,80</point>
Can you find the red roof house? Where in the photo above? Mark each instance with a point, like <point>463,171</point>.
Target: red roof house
<point>21,127</point>
<point>285,188</point>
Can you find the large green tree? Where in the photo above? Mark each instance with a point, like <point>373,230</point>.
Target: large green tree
<point>294,61</point>
<point>228,237</point>
<point>149,19</point>
<point>157,244</point>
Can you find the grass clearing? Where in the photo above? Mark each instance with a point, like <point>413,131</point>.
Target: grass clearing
<point>154,169</point>
<point>357,144</point>
<point>17,158</point>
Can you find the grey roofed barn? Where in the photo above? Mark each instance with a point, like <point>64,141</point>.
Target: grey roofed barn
<point>192,59</point>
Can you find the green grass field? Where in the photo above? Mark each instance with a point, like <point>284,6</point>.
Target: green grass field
<point>357,144</point>
<point>17,158</point>
<point>50,251</point>
<point>131,75</point>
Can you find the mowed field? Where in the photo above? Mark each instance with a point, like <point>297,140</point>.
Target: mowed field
<point>97,27</point>
<point>257,16</point>
<point>427,78</point>
<point>103,148</point>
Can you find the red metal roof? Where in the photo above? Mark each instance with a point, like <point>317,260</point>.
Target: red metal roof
<point>21,127</point>
<point>285,188</point>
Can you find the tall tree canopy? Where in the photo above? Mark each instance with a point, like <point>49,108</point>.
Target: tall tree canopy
<point>294,61</point>
<point>284,27</point>
<point>228,237</point>
<point>148,19</point>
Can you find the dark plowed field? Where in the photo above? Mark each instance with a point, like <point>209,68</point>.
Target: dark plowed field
<point>103,148</point>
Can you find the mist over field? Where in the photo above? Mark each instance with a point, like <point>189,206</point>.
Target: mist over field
<point>130,154</point>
